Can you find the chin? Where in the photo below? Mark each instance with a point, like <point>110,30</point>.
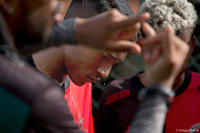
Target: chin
<point>79,83</point>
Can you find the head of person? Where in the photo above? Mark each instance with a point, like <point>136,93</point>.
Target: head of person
<point>179,14</point>
<point>84,64</point>
<point>28,21</point>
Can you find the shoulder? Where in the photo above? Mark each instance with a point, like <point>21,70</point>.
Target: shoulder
<point>194,74</point>
<point>194,78</point>
<point>120,89</point>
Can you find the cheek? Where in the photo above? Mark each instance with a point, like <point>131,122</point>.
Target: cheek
<point>92,67</point>
<point>93,63</point>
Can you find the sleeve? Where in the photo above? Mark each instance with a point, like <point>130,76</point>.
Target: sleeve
<point>150,116</point>
<point>51,114</point>
<point>63,33</point>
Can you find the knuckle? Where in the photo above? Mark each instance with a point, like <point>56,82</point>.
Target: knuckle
<point>113,13</point>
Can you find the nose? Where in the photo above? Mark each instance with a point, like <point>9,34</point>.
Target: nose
<point>104,71</point>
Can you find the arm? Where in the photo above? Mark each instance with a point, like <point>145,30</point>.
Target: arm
<point>167,64</point>
<point>62,33</point>
<point>150,116</point>
<point>48,109</point>
<point>106,36</point>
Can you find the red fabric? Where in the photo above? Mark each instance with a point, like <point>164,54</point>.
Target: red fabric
<point>184,111</point>
<point>79,99</point>
<point>117,96</point>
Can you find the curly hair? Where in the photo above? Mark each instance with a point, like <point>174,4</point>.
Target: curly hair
<point>180,14</point>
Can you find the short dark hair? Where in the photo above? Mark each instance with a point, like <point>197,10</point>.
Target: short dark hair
<point>88,8</point>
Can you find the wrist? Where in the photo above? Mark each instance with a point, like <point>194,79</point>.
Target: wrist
<point>162,91</point>
<point>159,80</point>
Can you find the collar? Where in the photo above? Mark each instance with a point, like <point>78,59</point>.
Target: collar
<point>185,84</point>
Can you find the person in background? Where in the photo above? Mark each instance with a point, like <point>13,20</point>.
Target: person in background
<point>76,67</point>
<point>119,101</point>
<point>158,96</point>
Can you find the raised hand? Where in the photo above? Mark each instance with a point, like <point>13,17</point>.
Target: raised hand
<point>165,53</point>
<point>110,31</point>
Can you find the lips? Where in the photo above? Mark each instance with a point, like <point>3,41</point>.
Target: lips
<point>92,78</point>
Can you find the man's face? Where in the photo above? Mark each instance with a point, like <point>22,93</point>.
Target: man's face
<point>88,65</point>
<point>35,21</point>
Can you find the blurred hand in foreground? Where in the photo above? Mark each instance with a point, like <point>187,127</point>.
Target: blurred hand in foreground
<point>110,31</point>
<point>166,53</point>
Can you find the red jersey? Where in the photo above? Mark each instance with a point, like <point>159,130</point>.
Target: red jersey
<point>79,99</point>
<point>119,105</point>
<point>184,112</point>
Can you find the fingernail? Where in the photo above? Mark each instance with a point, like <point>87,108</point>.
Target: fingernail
<point>146,14</point>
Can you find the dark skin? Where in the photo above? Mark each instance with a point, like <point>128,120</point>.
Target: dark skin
<point>22,16</point>
<point>26,29</point>
<point>155,54</point>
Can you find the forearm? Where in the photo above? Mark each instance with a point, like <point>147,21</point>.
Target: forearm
<point>150,116</point>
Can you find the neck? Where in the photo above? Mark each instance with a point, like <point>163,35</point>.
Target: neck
<point>71,56</point>
<point>51,63</point>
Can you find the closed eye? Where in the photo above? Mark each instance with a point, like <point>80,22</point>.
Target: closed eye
<point>105,57</point>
